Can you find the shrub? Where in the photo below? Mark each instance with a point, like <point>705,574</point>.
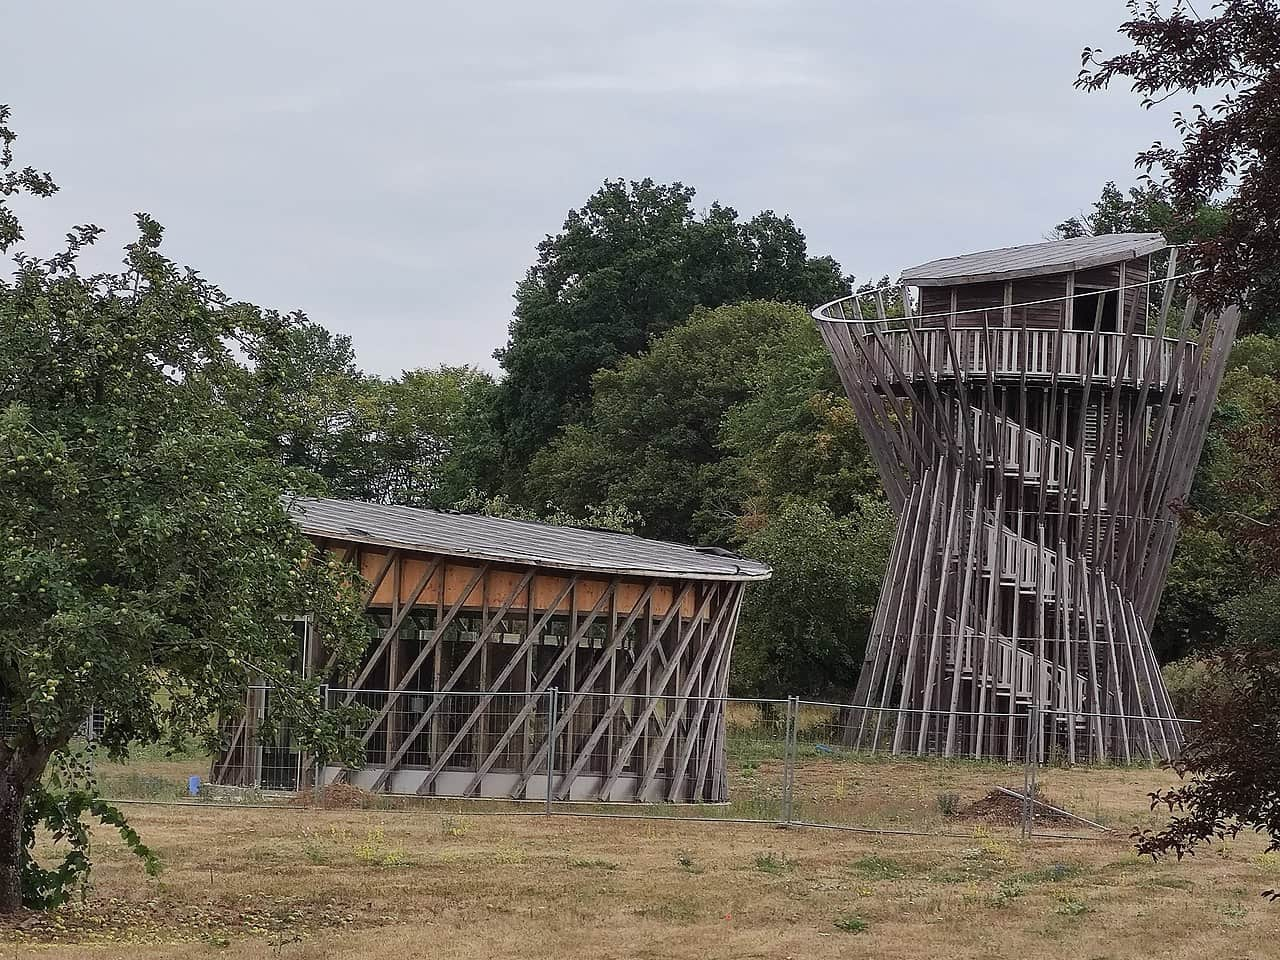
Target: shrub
<point>850,923</point>
<point>768,863</point>
<point>949,804</point>
<point>1194,682</point>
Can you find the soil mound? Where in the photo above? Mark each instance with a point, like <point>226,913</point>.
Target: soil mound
<point>343,796</point>
<point>1006,808</point>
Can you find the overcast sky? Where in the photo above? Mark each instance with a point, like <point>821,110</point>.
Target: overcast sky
<point>388,167</point>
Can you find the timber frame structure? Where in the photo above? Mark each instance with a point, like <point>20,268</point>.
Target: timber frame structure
<point>1036,414</point>
<point>496,644</point>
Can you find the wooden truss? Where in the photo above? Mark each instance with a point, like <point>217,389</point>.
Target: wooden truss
<point>463,662</point>
<point>1035,468</point>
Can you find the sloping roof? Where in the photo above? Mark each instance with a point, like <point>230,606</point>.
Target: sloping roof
<point>519,541</point>
<point>1034,259</point>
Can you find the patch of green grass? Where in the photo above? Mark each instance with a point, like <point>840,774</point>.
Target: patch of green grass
<point>453,828</point>
<point>1172,883</point>
<point>686,863</point>
<point>850,923</point>
<point>1235,911</point>
<point>188,750</point>
<point>749,808</point>
<point>140,786</point>
<point>1069,906</point>
<point>774,865</point>
<point>1007,892</point>
<point>1053,873</point>
<point>976,863</point>
<point>670,911</point>
<point>878,868</point>
<point>314,853</point>
<point>374,850</point>
<point>746,749</point>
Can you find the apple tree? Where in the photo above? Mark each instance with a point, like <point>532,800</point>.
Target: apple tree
<point>149,568</point>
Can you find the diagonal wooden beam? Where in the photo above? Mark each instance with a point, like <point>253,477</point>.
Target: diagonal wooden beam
<point>684,690</point>
<point>617,699</point>
<point>220,771</point>
<point>623,755</point>
<point>586,687</point>
<point>515,660</point>
<point>543,685</point>
<point>713,746</point>
<point>428,649</point>
<point>438,699</point>
<point>397,621</point>
<point>388,559</point>
<point>704,739</point>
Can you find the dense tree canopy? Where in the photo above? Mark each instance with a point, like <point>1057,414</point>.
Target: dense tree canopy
<point>413,439</point>
<point>632,262</point>
<point>150,566</point>
<point>732,428</point>
<point>806,628</point>
<point>1229,149</point>
<point>795,434</point>
<point>1145,208</point>
<point>650,438</point>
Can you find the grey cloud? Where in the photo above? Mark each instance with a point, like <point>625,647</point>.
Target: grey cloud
<point>389,166</point>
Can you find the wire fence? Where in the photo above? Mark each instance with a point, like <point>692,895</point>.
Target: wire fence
<point>789,762</point>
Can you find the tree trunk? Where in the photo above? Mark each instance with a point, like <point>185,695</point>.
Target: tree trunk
<point>23,765</point>
<point>13,790</point>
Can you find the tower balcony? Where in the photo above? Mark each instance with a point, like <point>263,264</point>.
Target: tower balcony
<point>889,355</point>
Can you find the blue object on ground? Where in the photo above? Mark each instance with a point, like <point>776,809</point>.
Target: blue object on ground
<point>823,748</point>
<point>193,785</point>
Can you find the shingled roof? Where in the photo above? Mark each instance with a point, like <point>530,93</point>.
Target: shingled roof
<point>519,541</point>
<point>1034,259</point>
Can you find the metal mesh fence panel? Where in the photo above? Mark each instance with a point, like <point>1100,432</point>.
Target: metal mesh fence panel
<point>889,769</point>
<point>421,743</point>
<point>794,761</point>
<point>260,755</point>
<point>669,756</point>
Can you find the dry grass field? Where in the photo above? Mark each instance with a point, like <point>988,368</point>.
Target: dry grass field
<point>298,882</point>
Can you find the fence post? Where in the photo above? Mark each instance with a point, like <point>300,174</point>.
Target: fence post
<point>1028,771</point>
<point>317,785</point>
<point>88,746</point>
<point>553,695</point>
<point>789,760</point>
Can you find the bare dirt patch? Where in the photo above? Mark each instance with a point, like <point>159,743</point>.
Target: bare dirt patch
<point>344,796</point>
<point>999,807</point>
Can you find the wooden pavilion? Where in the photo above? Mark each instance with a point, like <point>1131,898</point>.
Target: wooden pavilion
<point>475,620</point>
<point>1036,413</point>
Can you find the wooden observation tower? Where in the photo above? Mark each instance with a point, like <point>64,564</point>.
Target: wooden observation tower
<point>1036,414</point>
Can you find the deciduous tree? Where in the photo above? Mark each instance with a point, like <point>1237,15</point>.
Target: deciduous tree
<point>149,564</point>
<point>1229,141</point>
<point>651,440</point>
<point>806,628</point>
<point>631,263</point>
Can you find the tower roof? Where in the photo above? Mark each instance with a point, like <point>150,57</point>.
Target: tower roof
<point>1034,259</point>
